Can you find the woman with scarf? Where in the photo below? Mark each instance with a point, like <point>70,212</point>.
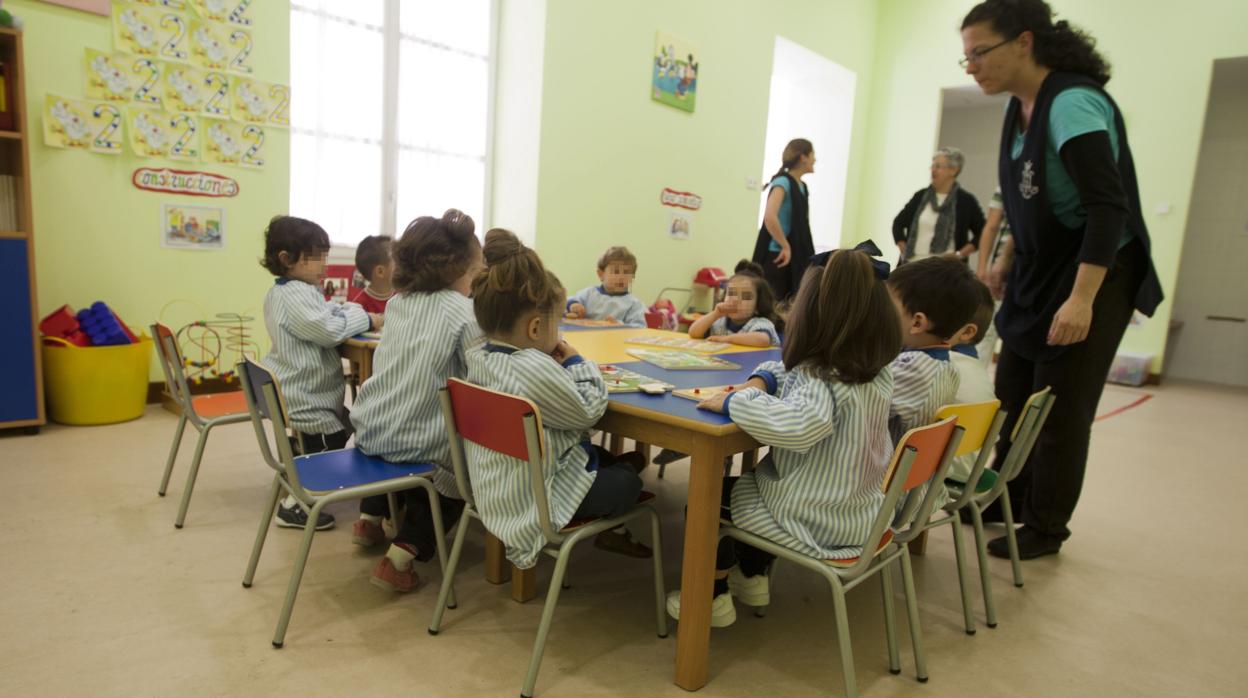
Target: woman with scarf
<point>941,218</point>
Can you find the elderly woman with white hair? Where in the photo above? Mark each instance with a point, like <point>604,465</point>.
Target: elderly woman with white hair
<point>942,218</point>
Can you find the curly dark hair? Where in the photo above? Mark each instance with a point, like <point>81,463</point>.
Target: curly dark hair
<point>296,237</point>
<point>434,252</point>
<point>1058,46</point>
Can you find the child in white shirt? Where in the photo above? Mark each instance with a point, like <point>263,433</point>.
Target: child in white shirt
<point>974,383</point>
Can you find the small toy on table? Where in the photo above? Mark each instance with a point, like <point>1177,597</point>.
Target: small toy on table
<point>700,394</point>
<point>681,360</point>
<point>622,380</point>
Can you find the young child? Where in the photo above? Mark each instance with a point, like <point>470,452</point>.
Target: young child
<point>974,384</point>
<point>397,414</point>
<point>374,260</point>
<point>305,330</point>
<point>747,315</point>
<point>611,301</point>
<point>823,411</point>
<point>518,304</point>
<point>935,298</point>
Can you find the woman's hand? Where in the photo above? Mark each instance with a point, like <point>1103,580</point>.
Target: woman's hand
<point>782,259</point>
<point>1071,322</point>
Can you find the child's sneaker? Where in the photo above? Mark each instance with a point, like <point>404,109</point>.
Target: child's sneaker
<point>386,576</point>
<point>751,591</point>
<point>622,544</point>
<point>295,517</point>
<point>367,534</point>
<point>723,612</point>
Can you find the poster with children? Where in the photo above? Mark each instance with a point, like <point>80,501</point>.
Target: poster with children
<point>674,76</point>
<point>85,125</point>
<point>150,32</point>
<point>229,143</point>
<point>256,102</point>
<point>122,78</point>
<point>193,227</point>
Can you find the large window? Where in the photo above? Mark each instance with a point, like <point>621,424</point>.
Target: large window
<point>390,112</point>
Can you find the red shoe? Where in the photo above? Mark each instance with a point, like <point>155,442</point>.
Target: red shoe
<point>387,577</point>
<point>367,534</point>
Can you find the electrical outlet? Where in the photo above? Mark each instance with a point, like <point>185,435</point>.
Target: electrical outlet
<point>751,183</point>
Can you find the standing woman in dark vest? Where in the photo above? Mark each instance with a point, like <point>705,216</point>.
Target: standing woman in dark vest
<point>1078,263</point>
<point>784,245</point>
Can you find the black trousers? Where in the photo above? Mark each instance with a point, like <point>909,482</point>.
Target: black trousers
<point>417,531</point>
<point>779,278</point>
<point>615,490</point>
<point>1049,485</point>
<point>732,551</point>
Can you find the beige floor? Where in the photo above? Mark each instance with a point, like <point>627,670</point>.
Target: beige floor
<point>100,595</point>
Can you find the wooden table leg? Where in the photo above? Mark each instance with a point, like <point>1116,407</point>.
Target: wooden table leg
<point>698,570</point>
<point>645,452</point>
<point>918,546</point>
<point>749,460</point>
<point>616,446</point>
<point>497,569</point>
<point>523,584</point>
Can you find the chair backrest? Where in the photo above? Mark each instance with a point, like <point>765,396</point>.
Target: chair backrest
<point>981,423</point>
<point>916,460</point>
<point>171,364</point>
<point>1026,431</point>
<point>264,401</point>
<point>507,424</point>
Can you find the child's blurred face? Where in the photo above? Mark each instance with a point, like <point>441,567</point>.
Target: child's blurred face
<point>617,277</point>
<point>741,299</point>
<point>547,335</point>
<point>310,268</point>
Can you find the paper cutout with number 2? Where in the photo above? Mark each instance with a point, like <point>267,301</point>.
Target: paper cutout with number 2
<point>151,32</point>
<point>229,143</point>
<point>84,125</point>
<point>120,77</point>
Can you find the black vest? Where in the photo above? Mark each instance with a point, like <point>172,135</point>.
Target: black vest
<point>1046,252</point>
<point>801,245</point>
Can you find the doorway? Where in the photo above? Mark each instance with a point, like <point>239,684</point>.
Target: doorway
<point>971,122</point>
<point>1211,296</point>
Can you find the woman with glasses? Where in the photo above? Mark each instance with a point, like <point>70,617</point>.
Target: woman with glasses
<point>941,218</point>
<point>1077,265</point>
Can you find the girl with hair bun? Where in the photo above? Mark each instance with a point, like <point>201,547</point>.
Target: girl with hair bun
<point>518,304</point>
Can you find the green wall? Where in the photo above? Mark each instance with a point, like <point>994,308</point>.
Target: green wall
<point>97,237</point>
<point>607,150</point>
<point>1162,55</point>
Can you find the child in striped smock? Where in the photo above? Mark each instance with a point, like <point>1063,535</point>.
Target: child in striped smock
<point>747,315</point>
<point>611,299</point>
<point>397,414</point>
<point>823,410</point>
<point>935,297</point>
<point>305,331</point>
<point>518,304</point>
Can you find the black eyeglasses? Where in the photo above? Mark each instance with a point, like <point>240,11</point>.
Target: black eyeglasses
<point>978,54</point>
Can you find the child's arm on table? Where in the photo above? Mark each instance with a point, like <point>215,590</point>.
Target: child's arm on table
<point>571,393</point>
<point>324,323</point>
<point>797,422</point>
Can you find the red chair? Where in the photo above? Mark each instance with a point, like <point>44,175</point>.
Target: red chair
<point>202,411</point>
<point>921,458</point>
<point>512,426</point>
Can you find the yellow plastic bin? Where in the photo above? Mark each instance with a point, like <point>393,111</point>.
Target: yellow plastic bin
<point>95,385</point>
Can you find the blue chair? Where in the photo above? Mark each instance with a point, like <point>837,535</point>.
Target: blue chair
<point>319,479</point>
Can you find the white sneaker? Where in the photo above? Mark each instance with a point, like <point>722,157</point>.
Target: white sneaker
<point>751,591</point>
<point>723,612</point>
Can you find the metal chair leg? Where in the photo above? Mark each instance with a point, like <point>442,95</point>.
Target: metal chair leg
<point>1008,513</point>
<point>964,585</point>
<point>439,531</point>
<point>912,613</point>
<point>296,574</point>
<point>890,620</point>
<point>548,612</point>
<point>266,521</point>
<point>761,611</point>
<point>843,641</point>
<point>660,594</point>
<point>985,579</point>
<point>192,474</point>
<point>173,454</point>
<point>448,575</point>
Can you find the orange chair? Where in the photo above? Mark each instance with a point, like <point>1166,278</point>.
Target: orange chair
<point>202,411</point>
<point>921,458</point>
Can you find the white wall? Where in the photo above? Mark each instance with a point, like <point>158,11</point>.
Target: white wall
<point>976,131</point>
<point>518,116</point>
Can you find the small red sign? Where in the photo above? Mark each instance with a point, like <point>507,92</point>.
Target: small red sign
<point>680,199</point>
<point>184,182</point>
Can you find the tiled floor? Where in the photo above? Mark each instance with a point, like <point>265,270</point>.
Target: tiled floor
<point>101,596</point>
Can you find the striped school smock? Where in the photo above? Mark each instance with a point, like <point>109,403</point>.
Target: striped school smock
<point>599,305</point>
<point>924,380</point>
<point>305,331</point>
<point>819,490</point>
<point>725,326</point>
<point>571,398</point>
<point>397,414</point>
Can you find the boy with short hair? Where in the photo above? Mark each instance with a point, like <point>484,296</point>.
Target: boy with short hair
<point>974,383</point>
<point>611,299</point>
<point>374,261</point>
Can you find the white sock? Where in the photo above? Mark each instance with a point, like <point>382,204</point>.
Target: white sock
<point>400,558</point>
<point>370,518</point>
<point>289,502</point>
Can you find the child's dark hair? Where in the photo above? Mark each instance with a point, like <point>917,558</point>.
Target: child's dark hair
<point>618,255</point>
<point>842,324</point>
<point>296,237</point>
<point>1058,45</point>
<point>434,252</point>
<point>372,252</point>
<point>765,298</point>
<point>942,288</point>
<point>984,312</point>
<point>514,283</point>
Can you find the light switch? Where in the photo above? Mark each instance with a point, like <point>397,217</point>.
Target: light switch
<point>1163,208</point>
